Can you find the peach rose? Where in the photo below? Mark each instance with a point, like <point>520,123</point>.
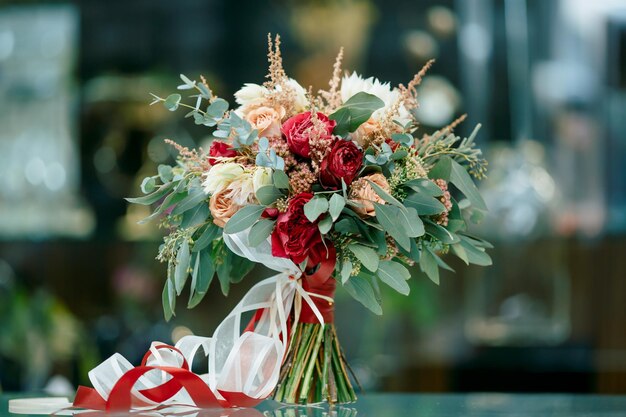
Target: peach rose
<point>266,120</point>
<point>222,207</point>
<point>365,132</point>
<point>363,193</point>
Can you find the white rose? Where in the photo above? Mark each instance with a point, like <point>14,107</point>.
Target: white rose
<point>301,102</point>
<point>220,176</point>
<point>251,94</point>
<point>354,83</point>
<point>262,176</point>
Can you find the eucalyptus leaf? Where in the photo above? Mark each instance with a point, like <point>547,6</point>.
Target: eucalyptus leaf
<point>346,226</point>
<point>195,216</point>
<point>428,265</point>
<point>281,180</point>
<point>424,186</point>
<point>395,275</point>
<point>168,299</point>
<point>240,267</point>
<point>182,266</point>
<point>360,288</point>
<point>411,222</point>
<point>243,218</point>
<point>388,218</point>
<point>146,200</point>
<point>424,204</point>
<point>386,196</point>
<point>195,197</point>
<point>355,111</point>
<point>315,207</point>
<point>325,225</point>
<point>450,170</point>
<point>402,138</point>
<point>440,261</point>
<point>441,233</point>
<point>148,185</point>
<point>223,275</point>
<point>202,276</point>
<point>260,231</point>
<point>172,101</point>
<point>336,204</point>
<point>460,252</point>
<point>209,232</point>
<point>169,201</point>
<point>346,271</point>
<point>476,256</point>
<point>367,256</point>
<point>217,108</point>
<point>165,173</point>
<point>268,194</point>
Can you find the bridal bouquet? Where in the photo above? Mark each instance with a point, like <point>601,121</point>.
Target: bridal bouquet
<point>333,189</point>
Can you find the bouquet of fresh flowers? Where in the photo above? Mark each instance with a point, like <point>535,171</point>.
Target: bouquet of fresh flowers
<point>335,185</point>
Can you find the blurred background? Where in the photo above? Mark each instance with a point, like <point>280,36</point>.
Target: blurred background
<point>546,78</point>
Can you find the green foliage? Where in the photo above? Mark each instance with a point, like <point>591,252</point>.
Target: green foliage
<point>361,289</point>
<point>243,218</point>
<point>367,256</point>
<point>450,170</point>
<point>424,204</point>
<point>336,205</point>
<point>260,231</point>
<point>281,180</point>
<point>172,101</point>
<point>315,208</point>
<point>354,112</point>
<point>395,275</point>
<point>268,194</point>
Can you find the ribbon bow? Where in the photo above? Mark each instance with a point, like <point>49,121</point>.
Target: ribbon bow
<point>243,367</point>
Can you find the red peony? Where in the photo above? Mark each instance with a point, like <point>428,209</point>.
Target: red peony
<point>343,161</point>
<point>297,131</point>
<point>220,149</point>
<point>294,235</point>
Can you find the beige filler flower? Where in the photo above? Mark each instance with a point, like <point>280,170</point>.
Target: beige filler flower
<point>222,207</point>
<point>266,120</point>
<point>363,193</point>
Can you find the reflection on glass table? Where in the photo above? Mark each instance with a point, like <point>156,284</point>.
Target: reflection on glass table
<point>422,405</point>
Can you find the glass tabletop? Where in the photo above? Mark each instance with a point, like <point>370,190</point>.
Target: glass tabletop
<point>420,405</point>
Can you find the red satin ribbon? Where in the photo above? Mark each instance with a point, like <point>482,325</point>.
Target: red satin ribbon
<point>320,282</point>
<point>122,399</point>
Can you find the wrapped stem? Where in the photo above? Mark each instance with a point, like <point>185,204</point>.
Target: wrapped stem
<point>315,369</point>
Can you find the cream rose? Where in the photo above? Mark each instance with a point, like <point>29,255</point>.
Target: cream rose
<point>262,176</point>
<point>251,95</point>
<point>266,120</point>
<point>220,176</point>
<point>362,193</point>
<point>222,207</point>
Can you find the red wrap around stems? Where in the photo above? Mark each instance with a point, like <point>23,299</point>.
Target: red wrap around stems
<point>322,283</point>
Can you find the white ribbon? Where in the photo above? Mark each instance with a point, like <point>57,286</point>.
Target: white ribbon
<point>237,362</point>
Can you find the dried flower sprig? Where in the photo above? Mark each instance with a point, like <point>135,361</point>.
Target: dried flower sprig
<point>332,97</point>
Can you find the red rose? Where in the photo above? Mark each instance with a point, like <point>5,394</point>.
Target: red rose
<point>343,161</point>
<point>219,148</point>
<point>294,235</point>
<point>297,131</point>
